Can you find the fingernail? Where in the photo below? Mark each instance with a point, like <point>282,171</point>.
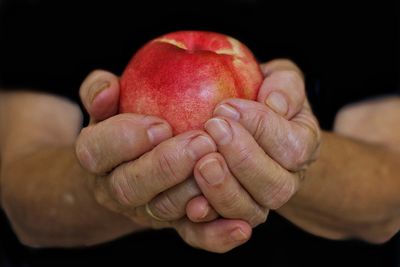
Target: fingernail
<point>227,111</point>
<point>200,146</point>
<point>204,212</point>
<point>158,133</point>
<point>97,88</point>
<point>219,130</point>
<point>238,235</point>
<point>278,103</point>
<point>211,171</point>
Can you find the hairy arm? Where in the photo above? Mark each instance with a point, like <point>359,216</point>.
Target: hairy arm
<point>45,193</point>
<point>352,190</point>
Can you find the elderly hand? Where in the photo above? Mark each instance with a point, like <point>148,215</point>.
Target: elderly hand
<point>263,148</point>
<point>143,172</point>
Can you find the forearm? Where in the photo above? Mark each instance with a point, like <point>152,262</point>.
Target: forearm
<point>351,191</point>
<point>45,193</point>
<point>55,205</point>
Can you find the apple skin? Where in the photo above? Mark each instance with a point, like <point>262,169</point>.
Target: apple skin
<point>182,76</point>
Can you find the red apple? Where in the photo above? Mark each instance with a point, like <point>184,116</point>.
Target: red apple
<point>183,75</point>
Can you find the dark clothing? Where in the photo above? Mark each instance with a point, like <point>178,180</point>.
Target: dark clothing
<point>347,54</point>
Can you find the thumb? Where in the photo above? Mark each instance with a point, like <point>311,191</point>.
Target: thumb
<point>99,94</point>
<point>283,88</point>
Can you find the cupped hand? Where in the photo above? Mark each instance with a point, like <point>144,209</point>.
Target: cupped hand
<point>142,171</point>
<point>264,147</point>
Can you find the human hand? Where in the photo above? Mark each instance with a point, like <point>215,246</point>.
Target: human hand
<point>138,166</point>
<point>264,148</point>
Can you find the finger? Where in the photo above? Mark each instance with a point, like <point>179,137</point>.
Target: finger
<point>168,164</point>
<point>171,204</point>
<point>100,95</point>
<point>268,183</point>
<point>141,216</point>
<point>283,89</point>
<point>103,146</point>
<point>293,144</point>
<point>217,236</point>
<point>198,209</point>
<point>224,192</point>
<point>278,65</point>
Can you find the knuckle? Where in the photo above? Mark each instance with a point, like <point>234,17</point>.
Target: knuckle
<point>234,206</point>
<point>294,152</point>
<point>127,132</point>
<point>260,127</point>
<point>166,208</point>
<point>247,164</point>
<point>168,165</point>
<point>303,149</point>
<point>298,156</point>
<point>84,153</point>
<point>259,217</point>
<point>123,189</point>
<point>278,193</point>
<point>243,161</point>
<point>231,201</point>
<point>101,193</point>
